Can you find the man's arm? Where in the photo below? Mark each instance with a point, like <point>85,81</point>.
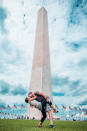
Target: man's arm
<point>42,94</point>
<point>31,99</point>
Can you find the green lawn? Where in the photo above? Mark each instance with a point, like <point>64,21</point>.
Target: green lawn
<point>31,125</point>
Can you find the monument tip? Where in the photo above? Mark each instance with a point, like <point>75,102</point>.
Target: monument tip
<point>42,8</point>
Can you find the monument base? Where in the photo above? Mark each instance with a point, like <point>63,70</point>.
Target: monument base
<point>33,113</point>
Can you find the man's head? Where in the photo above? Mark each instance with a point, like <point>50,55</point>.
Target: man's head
<point>30,94</point>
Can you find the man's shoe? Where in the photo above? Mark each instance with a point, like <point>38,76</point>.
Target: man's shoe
<point>40,124</point>
<point>51,126</point>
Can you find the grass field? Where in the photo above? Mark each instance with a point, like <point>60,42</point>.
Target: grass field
<point>31,125</point>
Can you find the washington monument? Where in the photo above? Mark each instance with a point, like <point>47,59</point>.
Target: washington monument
<point>41,72</point>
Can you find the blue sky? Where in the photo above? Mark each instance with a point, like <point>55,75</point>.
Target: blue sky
<point>67,21</point>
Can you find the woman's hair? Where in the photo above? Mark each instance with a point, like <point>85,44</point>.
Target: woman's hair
<point>29,93</point>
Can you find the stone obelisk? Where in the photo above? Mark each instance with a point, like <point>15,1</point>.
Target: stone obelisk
<point>41,73</point>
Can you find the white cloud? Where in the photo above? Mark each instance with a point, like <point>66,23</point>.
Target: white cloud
<point>12,99</point>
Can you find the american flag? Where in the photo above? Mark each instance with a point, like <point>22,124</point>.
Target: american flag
<point>15,106</point>
<point>9,107</point>
<point>75,108</point>
<point>56,106</point>
<point>70,108</point>
<point>85,112</point>
<point>79,109</point>
<point>1,108</point>
<point>22,106</point>
<point>64,107</point>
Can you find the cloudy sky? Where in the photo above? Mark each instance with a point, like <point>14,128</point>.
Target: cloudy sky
<point>67,21</point>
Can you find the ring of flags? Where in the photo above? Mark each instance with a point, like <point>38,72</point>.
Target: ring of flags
<point>19,110</point>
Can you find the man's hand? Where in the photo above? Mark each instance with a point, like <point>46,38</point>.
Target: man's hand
<point>31,99</point>
<point>55,111</point>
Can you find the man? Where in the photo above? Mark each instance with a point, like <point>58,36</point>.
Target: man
<point>45,103</point>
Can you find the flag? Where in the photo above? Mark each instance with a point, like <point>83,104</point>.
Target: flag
<point>9,107</point>
<point>22,106</point>
<point>85,112</point>
<point>15,106</point>
<point>64,107</point>
<point>70,108</point>
<point>56,106</point>
<point>79,109</point>
<point>75,108</point>
<point>1,108</point>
